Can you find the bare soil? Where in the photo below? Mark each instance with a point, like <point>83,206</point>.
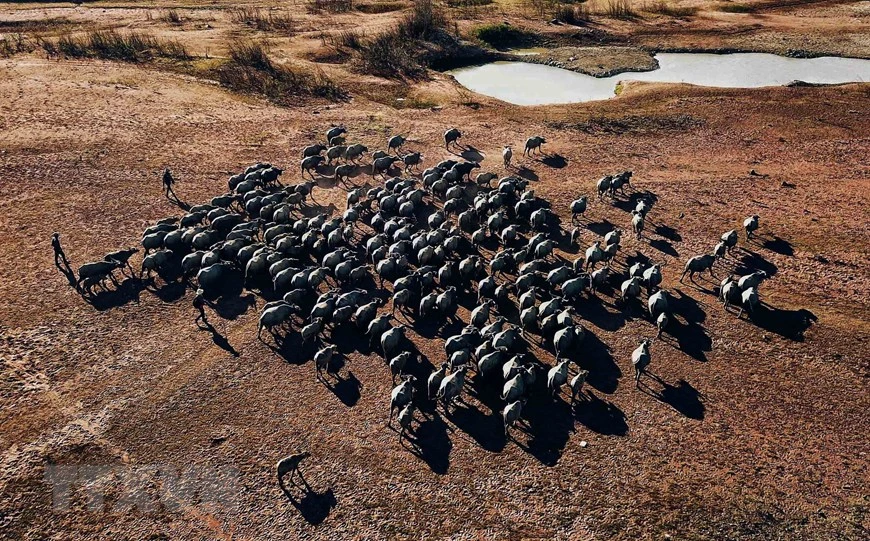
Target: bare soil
<point>757,429</point>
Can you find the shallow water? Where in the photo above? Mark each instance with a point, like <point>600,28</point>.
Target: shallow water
<point>523,83</point>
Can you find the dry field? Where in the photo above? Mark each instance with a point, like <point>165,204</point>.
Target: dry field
<point>754,430</point>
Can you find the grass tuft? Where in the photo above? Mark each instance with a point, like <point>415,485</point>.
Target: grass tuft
<point>379,7</point>
<point>12,44</point>
<point>330,6</point>
<point>468,3</point>
<point>663,7</point>
<point>347,39</point>
<point>619,9</point>
<point>172,16</point>
<point>112,45</point>
<point>263,21</point>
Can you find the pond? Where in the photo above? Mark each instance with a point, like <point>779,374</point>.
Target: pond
<point>524,83</point>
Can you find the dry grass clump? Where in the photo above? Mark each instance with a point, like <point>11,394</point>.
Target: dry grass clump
<point>112,45</point>
<point>663,7</point>
<point>264,21</point>
<point>379,7</point>
<point>330,6</point>
<point>251,70</point>
<point>12,44</point>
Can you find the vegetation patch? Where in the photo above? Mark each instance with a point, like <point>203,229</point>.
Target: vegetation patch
<point>573,15</point>
<point>329,6</point>
<point>663,7</point>
<point>619,9</point>
<point>408,48</point>
<point>729,7</point>
<point>172,16</point>
<point>347,39</point>
<point>251,70</point>
<point>12,44</point>
<point>112,45</point>
<point>379,7</point>
<point>504,36</point>
<point>468,3</point>
<point>631,124</point>
<point>264,21</point>
<point>35,25</point>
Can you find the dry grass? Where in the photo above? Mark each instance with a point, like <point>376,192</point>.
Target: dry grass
<point>663,7</point>
<point>468,3</point>
<point>330,6</point>
<point>112,45</point>
<point>12,44</point>
<point>568,14</point>
<point>251,70</point>
<point>263,20</point>
<point>344,39</point>
<point>172,16</point>
<point>394,52</point>
<point>619,9</point>
<point>379,7</point>
<point>735,8</point>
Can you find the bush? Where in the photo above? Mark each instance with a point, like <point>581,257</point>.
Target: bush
<point>251,70</point>
<point>423,22</point>
<point>395,51</point>
<point>12,44</point>
<point>254,17</point>
<point>502,35</point>
<point>387,55</point>
<point>111,45</point>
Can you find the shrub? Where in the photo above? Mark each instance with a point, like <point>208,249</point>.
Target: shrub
<point>395,51</point>
<point>251,70</point>
<point>423,22</point>
<point>256,18</point>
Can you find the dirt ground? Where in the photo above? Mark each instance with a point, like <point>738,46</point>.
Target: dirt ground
<point>754,429</point>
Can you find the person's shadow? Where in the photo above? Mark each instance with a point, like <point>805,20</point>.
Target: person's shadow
<point>64,267</point>
<point>218,339</point>
<point>312,505</point>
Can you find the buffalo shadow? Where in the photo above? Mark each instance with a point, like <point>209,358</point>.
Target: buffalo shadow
<point>790,324</point>
<point>600,416</point>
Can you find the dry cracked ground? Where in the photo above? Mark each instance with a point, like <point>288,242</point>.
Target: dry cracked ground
<point>755,428</point>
